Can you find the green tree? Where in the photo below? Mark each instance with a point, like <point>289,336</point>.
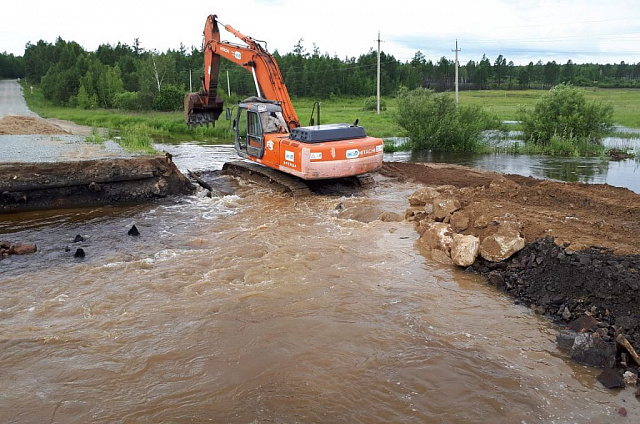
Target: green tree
<point>551,73</point>
<point>11,66</point>
<point>109,84</point>
<point>568,72</point>
<point>153,72</point>
<point>524,77</point>
<point>500,69</point>
<point>564,112</point>
<point>433,122</point>
<point>483,72</point>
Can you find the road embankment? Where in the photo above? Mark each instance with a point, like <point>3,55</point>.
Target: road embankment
<point>30,186</point>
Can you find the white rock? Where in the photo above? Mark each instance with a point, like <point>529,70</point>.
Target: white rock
<point>438,235</point>
<point>501,245</point>
<point>464,249</point>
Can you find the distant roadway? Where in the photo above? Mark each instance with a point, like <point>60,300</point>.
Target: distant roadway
<point>11,99</point>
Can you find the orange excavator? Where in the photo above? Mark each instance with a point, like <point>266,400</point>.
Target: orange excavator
<point>267,129</point>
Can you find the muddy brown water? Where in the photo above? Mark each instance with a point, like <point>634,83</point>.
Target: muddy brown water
<point>256,307</point>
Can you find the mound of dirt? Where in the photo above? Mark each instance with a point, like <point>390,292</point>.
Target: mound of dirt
<point>20,125</point>
<point>577,215</point>
<point>56,185</point>
<point>582,256</point>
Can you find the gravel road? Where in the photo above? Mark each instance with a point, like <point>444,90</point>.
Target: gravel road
<point>11,99</point>
<point>35,146</point>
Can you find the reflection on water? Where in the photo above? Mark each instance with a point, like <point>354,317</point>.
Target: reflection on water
<point>623,173</point>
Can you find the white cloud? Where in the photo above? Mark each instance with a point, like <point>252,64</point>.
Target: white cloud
<point>523,31</point>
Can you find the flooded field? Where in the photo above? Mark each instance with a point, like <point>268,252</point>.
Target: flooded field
<point>620,173</point>
<point>256,307</point>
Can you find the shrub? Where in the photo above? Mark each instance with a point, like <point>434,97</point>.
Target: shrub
<point>563,112</point>
<point>170,98</point>
<point>433,122</point>
<point>371,103</point>
<point>128,100</point>
<point>84,100</point>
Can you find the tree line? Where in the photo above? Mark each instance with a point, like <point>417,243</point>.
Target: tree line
<point>131,77</point>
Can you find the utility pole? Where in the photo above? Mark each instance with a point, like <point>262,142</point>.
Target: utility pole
<point>228,85</point>
<point>190,89</point>
<point>378,40</point>
<point>456,50</point>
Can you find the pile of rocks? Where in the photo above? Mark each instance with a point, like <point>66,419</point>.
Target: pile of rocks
<point>592,294</point>
<point>462,235</point>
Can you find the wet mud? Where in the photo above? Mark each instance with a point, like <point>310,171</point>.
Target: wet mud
<point>30,186</point>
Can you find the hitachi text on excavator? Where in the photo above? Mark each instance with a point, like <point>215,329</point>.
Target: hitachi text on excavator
<point>267,129</point>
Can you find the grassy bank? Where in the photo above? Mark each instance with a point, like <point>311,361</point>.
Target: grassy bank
<point>170,126</point>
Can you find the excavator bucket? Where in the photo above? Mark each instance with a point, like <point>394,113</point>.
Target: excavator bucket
<point>205,107</point>
<point>197,112</point>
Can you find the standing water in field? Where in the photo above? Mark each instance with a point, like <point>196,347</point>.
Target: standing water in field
<point>258,307</point>
<point>594,170</point>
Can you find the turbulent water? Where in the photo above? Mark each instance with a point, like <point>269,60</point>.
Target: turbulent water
<point>256,307</point>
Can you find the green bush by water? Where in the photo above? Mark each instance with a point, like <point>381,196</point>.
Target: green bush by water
<point>433,122</point>
<point>564,114</point>
<point>136,138</point>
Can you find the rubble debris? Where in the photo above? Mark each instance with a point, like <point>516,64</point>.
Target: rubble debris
<point>8,248</point>
<point>611,378</point>
<point>133,231</point>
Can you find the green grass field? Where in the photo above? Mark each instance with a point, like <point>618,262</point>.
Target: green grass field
<point>505,104</point>
<point>170,126</point>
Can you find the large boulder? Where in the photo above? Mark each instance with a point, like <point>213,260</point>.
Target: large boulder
<point>459,220</point>
<point>438,235</point>
<point>464,249</point>
<point>501,245</point>
<point>592,350</point>
<point>423,196</point>
<point>444,206</point>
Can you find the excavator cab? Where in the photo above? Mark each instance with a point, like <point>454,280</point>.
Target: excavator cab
<point>255,118</point>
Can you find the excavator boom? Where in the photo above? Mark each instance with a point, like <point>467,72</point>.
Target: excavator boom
<point>206,106</point>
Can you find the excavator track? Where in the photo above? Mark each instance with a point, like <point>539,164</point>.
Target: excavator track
<point>285,183</point>
<point>267,177</point>
<point>365,181</point>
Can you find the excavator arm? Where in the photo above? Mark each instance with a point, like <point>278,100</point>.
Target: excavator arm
<point>206,106</point>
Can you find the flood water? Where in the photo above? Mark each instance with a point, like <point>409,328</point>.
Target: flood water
<point>255,307</point>
<point>621,173</point>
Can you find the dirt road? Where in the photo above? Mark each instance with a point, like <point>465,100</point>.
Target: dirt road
<point>13,102</point>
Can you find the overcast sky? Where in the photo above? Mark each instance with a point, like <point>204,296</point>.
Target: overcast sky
<point>602,31</point>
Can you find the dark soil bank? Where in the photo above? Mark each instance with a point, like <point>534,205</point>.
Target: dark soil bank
<point>566,286</point>
<point>28,186</point>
